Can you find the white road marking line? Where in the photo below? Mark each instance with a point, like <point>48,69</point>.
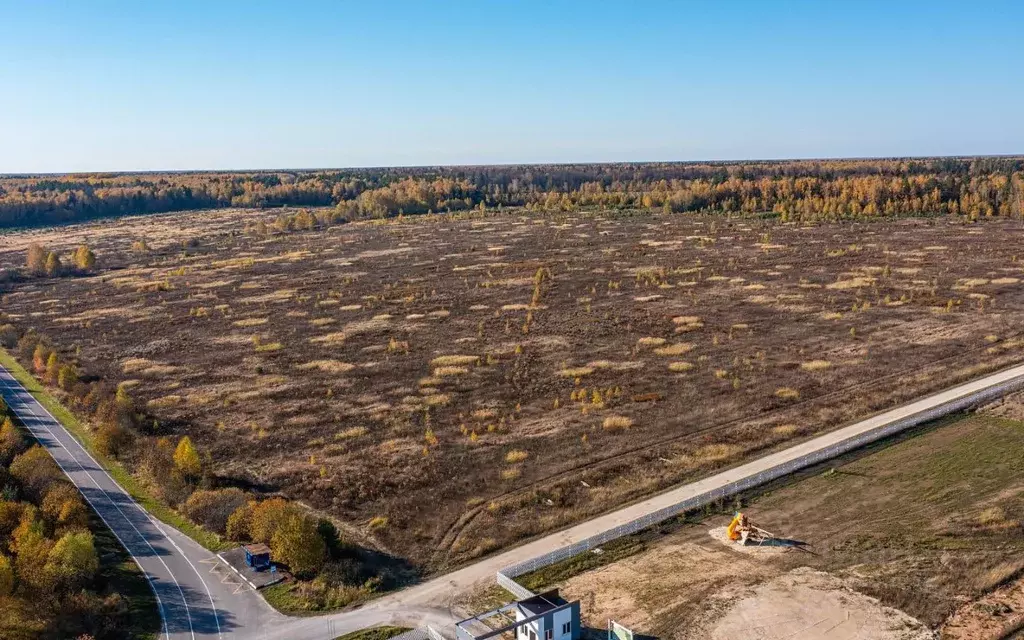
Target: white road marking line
<point>160,605</point>
<point>60,442</point>
<point>153,521</point>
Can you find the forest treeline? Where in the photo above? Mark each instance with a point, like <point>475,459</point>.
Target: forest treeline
<point>794,190</point>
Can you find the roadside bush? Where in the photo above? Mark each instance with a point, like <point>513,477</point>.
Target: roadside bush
<point>27,344</point>
<point>113,440</point>
<point>11,442</point>
<point>267,516</point>
<point>31,552</point>
<point>67,377</point>
<point>63,509</point>
<point>35,471</point>
<point>239,524</point>
<point>10,517</point>
<point>9,336</point>
<point>52,369</point>
<point>214,508</point>
<point>40,356</point>
<point>159,467</point>
<point>72,561</point>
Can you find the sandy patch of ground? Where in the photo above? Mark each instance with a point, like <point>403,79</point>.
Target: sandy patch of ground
<point>663,584</point>
<point>805,604</point>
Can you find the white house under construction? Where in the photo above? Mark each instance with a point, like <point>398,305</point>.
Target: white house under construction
<point>546,616</point>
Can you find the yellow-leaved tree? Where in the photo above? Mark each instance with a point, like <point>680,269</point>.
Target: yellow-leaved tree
<point>85,259</point>
<point>186,458</point>
<point>53,265</point>
<point>73,560</point>
<point>298,544</point>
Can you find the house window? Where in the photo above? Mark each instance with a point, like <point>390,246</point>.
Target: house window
<point>547,634</point>
<point>533,635</point>
<point>566,628</point>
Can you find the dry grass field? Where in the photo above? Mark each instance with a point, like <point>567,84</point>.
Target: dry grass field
<point>444,386</point>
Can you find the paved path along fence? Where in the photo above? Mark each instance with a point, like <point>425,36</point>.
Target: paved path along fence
<point>754,474</point>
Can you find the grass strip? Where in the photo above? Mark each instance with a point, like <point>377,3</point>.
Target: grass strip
<point>552,575</point>
<point>374,633</point>
<point>128,482</point>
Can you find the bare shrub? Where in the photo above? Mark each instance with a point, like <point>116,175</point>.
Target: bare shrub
<point>677,349</point>
<point>213,508</point>
<point>616,423</point>
<point>516,455</point>
<point>455,361</point>
<point>576,372</point>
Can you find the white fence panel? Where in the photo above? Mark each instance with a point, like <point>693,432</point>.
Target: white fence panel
<point>505,575</point>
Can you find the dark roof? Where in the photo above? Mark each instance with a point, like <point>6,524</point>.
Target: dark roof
<point>542,603</point>
<point>257,549</point>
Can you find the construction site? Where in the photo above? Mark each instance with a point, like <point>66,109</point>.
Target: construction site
<point>913,538</point>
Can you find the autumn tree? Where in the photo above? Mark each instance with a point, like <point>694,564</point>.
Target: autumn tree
<point>297,543</point>
<point>11,441</point>
<point>267,516</point>
<point>6,576</point>
<point>67,377</point>
<point>72,560</point>
<point>35,260</point>
<point>186,458</point>
<point>160,467</point>
<point>239,524</point>
<point>52,369</point>
<point>85,259</point>
<point>9,335</point>
<point>112,439</point>
<point>10,517</point>
<point>63,509</point>
<point>40,356</point>
<point>31,552</point>
<point>53,265</point>
<point>35,471</point>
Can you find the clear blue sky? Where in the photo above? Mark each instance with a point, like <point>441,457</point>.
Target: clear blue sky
<point>184,84</point>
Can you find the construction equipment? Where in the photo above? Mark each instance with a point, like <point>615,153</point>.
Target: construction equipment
<point>742,530</point>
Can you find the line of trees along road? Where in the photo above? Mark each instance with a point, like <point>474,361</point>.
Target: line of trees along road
<point>797,190</point>
<point>333,571</point>
<point>51,583</point>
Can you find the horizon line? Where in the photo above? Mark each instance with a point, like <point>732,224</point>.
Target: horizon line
<point>31,174</point>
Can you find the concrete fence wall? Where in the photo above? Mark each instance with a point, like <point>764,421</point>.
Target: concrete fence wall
<point>505,576</point>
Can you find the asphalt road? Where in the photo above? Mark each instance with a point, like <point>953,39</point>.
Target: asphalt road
<point>199,598</point>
